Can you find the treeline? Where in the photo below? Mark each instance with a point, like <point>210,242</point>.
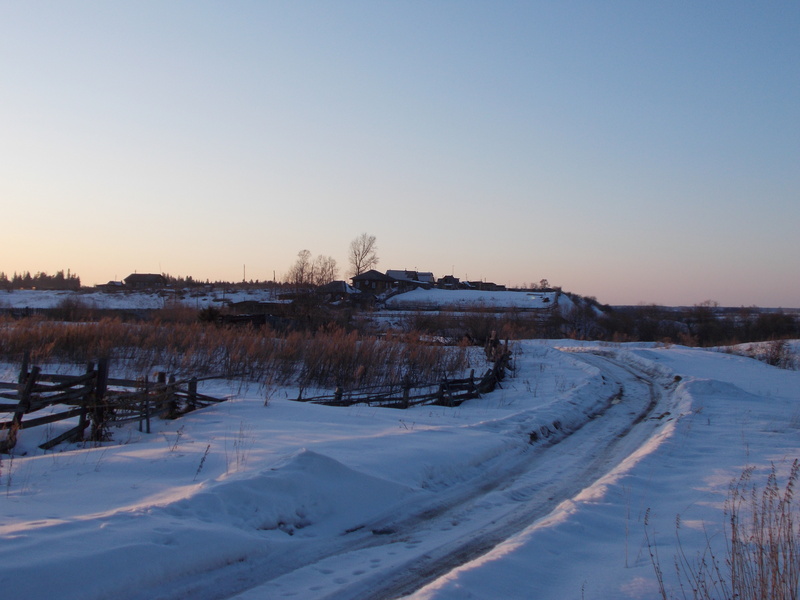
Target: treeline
<point>189,282</point>
<point>705,324</point>
<point>40,281</point>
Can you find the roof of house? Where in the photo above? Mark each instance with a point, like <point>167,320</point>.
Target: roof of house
<point>144,278</point>
<point>337,287</point>
<point>373,275</point>
<point>411,276</point>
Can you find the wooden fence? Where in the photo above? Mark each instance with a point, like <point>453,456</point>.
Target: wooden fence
<point>447,392</point>
<point>97,400</point>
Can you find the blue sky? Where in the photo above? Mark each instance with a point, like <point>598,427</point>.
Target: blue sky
<point>633,151</point>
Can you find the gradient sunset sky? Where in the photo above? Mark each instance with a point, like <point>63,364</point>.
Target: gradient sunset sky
<point>634,151</point>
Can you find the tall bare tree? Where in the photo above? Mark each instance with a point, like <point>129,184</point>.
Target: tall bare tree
<point>363,254</point>
<point>301,271</point>
<point>324,270</point>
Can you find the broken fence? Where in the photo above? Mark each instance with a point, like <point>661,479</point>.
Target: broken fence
<point>98,401</point>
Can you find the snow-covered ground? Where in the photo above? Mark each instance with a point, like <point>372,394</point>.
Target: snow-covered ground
<point>459,299</point>
<point>130,300</point>
<point>120,300</point>
<point>537,490</point>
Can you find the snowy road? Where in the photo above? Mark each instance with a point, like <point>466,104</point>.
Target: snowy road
<point>395,557</point>
<point>539,489</point>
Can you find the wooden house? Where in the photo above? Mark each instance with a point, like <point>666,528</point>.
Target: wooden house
<point>145,281</point>
<point>373,282</point>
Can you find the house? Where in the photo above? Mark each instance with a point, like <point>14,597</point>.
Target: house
<point>373,282</point>
<point>335,291</point>
<point>486,286</point>
<point>144,281</point>
<point>409,280</point>
<point>448,282</point>
<point>111,286</point>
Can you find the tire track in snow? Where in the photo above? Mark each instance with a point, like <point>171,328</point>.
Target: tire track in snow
<point>538,494</point>
<point>418,549</point>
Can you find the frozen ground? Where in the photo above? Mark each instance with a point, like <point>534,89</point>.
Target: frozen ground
<point>538,490</point>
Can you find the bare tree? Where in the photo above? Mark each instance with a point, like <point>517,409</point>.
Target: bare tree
<point>301,271</point>
<point>363,255</point>
<point>324,270</point>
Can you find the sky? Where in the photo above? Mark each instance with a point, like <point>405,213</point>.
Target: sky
<point>638,152</point>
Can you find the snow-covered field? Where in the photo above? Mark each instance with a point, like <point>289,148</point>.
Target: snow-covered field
<point>128,300</point>
<point>200,299</point>
<point>537,490</point>
<point>455,299</point>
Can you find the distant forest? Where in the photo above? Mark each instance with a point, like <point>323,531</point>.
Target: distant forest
<point>40,281</point>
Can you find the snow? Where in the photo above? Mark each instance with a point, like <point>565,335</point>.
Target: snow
<point>131,300</point>
<point>128,300</point>
<point>251,501</point>
<point>459,299</point>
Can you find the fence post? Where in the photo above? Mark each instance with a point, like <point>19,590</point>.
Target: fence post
<point>100,411</point>
<point>147,404</point>
<point>23,371</point>
<point>406,390</point>
<point>472,393</point>
<point>161,379</point>
<point>172,403</point>
<point>84,408</point>
<point>440,394</point>
<point>23,407</point>
<point>488,382</point>
<point>192,401</point>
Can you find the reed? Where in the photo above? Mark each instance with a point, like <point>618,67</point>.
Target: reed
<point>328,357</point>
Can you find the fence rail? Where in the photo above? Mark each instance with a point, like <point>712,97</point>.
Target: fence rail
<point>447,392</point>
<point>97,400</point>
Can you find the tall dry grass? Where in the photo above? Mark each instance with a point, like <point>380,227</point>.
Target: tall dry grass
<point>762,553</point>
<point>328,357</point>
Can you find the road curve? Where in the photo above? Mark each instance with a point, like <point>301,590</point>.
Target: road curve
<point>393,559</point>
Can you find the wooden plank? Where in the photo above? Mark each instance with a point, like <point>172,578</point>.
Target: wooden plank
<point>139,383</point>
<point>134,383</point>
<point>30,423</point>
<point>65,398</point>
<point>66,436</point>
<point>203,397</point>
<point>65,383</point>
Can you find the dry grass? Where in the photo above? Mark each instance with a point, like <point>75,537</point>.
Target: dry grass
<point>326,357</point>
<point>478,323</point>
<point>762,553</point>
